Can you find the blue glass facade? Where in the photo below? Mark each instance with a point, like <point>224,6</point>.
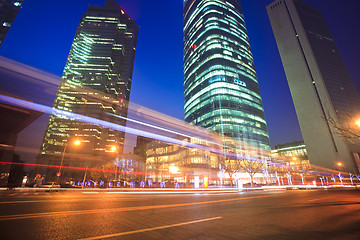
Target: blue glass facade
<point>220,83</point>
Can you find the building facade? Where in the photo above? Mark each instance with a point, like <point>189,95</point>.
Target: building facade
<point>141,144</point>
<point>292,154</point>
<point>321,87</point>
<point>191,163</point>
<point>8,11</point>
<point>96,82</point>
<point>220,84</point>
<point>292,149</point>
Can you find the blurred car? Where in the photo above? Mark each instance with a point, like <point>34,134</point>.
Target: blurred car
<point>255,185</point>
<point>50,185</point>
<point>69,185</point>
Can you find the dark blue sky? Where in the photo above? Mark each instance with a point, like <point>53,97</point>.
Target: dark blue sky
<point>42,34</point>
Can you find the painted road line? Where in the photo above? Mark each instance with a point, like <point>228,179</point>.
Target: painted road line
<point>151,229</point>
<point>316,199</point>
<point>113,210</point>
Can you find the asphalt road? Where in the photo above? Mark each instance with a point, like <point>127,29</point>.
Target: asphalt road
<point>301,214</point>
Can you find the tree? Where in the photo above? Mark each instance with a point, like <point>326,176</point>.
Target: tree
<point>350,130</point>
<point>252,167</point>
<point>158,149</point>
<point>185,164</point>
<point>107,172</point>
<point>230,166</point>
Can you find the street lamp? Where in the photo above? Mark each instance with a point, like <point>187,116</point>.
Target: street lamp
<point>58,174</point>
<point>339,164</point>
<point>358,123</point>
<point>114,149</point>
<point>173,169</point>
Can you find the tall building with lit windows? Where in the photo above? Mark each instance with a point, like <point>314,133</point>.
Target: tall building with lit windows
<point>220,83</point>
<point>8,11</point>
<point>96,82</point>
<point>325,98</point>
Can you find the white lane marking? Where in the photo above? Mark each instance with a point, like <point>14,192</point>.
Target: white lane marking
<point>317,199</point>
<point>150,229</point>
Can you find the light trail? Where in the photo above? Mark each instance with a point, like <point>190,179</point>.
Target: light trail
<point>162,129</point>
<point>78,117</point>
<point>75,168</point>
<point>68,200</point>
<point>86,119</point>
<point>38,76</point>
<point>46,80</point>
<point>124,209</point>
<point>170,125</point>
<point>127,172</point>
<point>91,120</point>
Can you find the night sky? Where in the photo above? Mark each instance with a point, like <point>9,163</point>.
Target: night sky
<point>42,34</point>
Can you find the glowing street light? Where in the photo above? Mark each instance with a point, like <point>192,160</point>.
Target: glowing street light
<point>113,148</point>
<point>339,167</point>
<point>358,123</point>
<point>58,174</point>
<point>173,169</point>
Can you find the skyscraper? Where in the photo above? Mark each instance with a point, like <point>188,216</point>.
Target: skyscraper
<point>221,87</point>
<point>96,82</point>
<point>319,82</point>
<point>8,11</point>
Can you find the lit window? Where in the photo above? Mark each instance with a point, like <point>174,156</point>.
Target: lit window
<point>17,4</point>
<point>6,24</point>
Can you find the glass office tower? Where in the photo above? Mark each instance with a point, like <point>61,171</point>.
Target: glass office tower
<point>221,87</point>
<point>8,11</point>
<point>96,82</point>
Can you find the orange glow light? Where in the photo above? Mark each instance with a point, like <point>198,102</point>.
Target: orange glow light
<point>77,142</point>
<point>358,123</point>
<point>173,169</point>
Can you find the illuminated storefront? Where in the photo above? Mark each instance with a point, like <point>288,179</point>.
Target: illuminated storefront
<point>176,164</point>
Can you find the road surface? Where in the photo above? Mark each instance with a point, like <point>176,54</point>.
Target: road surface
<point>292,214</point>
